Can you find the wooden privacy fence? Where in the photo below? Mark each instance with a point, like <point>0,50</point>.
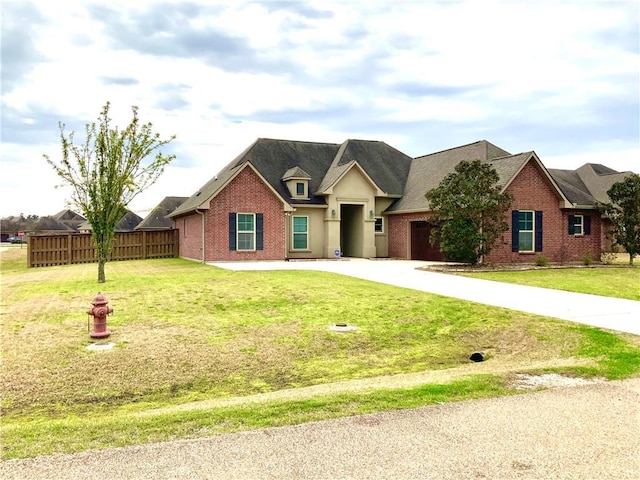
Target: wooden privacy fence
<point>66,248</point>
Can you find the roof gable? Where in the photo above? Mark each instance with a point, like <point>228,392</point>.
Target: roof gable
<point>385,167</point>
<point>295,173</point>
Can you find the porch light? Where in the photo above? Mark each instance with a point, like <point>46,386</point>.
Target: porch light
<point>370,213</point>
<point>333,212</point>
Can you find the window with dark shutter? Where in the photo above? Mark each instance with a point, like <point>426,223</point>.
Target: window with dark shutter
<point>232,231</point>
<point>259,231</point>
<point>515,218</point>
<point>572,224</point>
<point>538,227</point>
<point>579,225</point>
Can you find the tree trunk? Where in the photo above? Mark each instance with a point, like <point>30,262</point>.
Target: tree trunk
<point>101,277</point>
<point>631,259</point>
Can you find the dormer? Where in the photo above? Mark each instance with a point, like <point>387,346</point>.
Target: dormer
<point>297,181</point>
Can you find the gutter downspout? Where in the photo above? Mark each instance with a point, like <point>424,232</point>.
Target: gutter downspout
<point>201,213</point>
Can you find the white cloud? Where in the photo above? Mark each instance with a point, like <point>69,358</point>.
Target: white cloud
<point>558,78</point>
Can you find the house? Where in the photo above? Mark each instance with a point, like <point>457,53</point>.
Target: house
<point>283,199</point>
<point>158,219</point>
<point>70,218</point>
<point>51,225</point>
<point>126,224</point>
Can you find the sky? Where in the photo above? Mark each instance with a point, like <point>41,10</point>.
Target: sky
<point>557,77</point>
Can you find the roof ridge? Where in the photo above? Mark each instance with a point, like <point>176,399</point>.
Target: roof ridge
<point>283,140</point>
<point>452,148</point>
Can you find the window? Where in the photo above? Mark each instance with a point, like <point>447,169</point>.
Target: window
<point>300,233</point>
<point>300,189</point>
<point>379,225</point>
<point>579,225</point>
<point>526,231</point>
<point>245,231</point>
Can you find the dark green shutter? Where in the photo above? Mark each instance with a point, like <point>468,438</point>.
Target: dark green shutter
<point>572,224</point>
<point>232,231</point>
<point>515,227</point>
<point>587,225</point>
<point>259,232</point>
<point>538,227</point>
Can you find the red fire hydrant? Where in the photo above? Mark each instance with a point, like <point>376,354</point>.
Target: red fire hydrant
<point>99,313</point>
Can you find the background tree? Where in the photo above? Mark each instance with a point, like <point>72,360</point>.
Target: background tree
<point>624,213</point>
<point>471,210</point>
<point>107,172</point>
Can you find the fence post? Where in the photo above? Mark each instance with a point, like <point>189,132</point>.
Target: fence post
<point>69,250</point>
<point>29,251</point>
<point>144,245</point>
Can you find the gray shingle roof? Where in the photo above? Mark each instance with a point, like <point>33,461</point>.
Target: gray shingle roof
<point>69,218</point>
<point>295,172</point>
<point>572,186</point>
<point>158,218</point>
<point>428,171</point>
<point>387,167</point>
<point>126,224</point>
<point>587,185</point>
<point>51,223</point>
<point>322,162</point>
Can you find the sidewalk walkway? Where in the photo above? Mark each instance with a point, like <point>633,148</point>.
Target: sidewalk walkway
<point>605,312</point>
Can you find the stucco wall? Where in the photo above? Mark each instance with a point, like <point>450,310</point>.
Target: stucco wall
<point>353,189</point>
<point>316,226</point>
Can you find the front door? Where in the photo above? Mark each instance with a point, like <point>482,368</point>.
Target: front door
<point>421,249</point>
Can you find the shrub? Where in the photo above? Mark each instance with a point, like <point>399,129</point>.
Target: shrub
<point>542,261</point>
<point>587,258</point>
<point>608,257</point>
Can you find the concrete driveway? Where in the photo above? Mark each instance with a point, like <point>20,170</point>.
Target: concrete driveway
<point>605,312</point>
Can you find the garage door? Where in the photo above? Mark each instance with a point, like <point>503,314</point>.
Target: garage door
<point>421,249</point>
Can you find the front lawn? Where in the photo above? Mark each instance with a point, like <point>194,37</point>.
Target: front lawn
<point>620,282</point>
<point>200,351</point>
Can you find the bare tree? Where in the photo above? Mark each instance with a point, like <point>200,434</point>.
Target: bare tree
<point>108,171</point>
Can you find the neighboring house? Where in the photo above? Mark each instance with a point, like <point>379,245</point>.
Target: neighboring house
<point>70,218</point>
<point>126,224</point>
<point>51,225</point>
<point>289,199</point>
<point>158,218</point>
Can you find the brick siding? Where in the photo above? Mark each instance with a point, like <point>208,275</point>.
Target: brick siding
<point>246,193</point>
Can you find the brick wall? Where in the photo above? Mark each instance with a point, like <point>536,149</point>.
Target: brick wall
<point>399,232</point>
<point>246,193</point>
<point>190,236</point>
<point>532,191</point>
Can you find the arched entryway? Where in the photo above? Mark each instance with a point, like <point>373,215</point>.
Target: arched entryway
<point>351,230</point>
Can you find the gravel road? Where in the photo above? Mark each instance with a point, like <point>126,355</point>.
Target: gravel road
<point>581,432</point>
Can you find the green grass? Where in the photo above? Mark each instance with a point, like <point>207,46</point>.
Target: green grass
<point>75,433</point>
<point>620,282</point>
<point>195,344</point>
